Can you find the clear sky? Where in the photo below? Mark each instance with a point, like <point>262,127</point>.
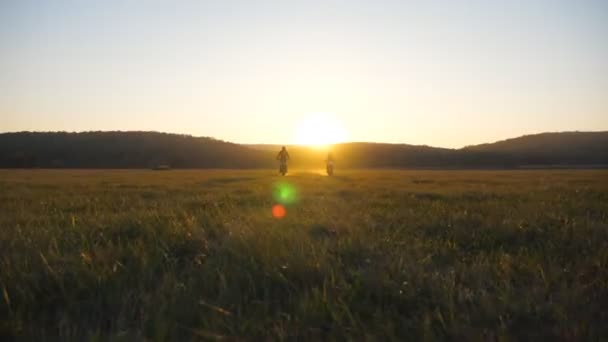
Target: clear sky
<point>442,73</point>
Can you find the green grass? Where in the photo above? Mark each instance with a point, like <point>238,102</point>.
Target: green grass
<point>364,255</point>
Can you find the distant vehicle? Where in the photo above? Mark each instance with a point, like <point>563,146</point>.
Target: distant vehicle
<point>330,168</point>
<point>283,168</point>
<point>330,164</point>
<point>283,157</point>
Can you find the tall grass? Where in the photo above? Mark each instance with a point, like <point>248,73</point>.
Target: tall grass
<point>365,255</point>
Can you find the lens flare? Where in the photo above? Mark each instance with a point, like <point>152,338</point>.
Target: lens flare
<point>285,193</point>
<point>278,211</point>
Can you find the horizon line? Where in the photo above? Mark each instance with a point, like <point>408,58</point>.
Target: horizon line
<point>301,145</point>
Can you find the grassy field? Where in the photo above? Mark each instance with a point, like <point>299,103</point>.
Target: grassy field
<point>364,255</point>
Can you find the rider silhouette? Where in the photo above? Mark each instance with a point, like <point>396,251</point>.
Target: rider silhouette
<point>330,164</point>
<point>283,155</point>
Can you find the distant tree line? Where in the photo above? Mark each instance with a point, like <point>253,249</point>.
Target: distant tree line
<point>122,150</point>
<point>151,149</point>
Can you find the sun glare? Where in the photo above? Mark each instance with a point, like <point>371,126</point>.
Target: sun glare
<point>320,130</point>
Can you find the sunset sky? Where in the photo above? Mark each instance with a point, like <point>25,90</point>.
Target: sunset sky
<point>442,73</point>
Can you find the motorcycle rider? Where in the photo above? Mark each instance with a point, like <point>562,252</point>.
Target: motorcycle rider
<point>330,163</point>
<point>283,157</point>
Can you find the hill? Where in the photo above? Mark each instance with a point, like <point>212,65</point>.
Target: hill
<point>148,149</point>
<point>122,150</point>
<point>565,148</point>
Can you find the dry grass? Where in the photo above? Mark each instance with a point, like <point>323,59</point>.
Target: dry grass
<point>365,255</point>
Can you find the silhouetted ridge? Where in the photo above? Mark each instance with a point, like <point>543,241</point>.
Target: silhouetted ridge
<point>563,148</point>
<point>151,149</point>
<point>122,150</point>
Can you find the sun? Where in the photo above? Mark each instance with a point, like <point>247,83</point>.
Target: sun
<point>320,130</point>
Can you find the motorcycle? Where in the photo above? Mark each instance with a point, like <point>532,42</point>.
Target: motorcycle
<point>283,168</point>
<point>330,168</point>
